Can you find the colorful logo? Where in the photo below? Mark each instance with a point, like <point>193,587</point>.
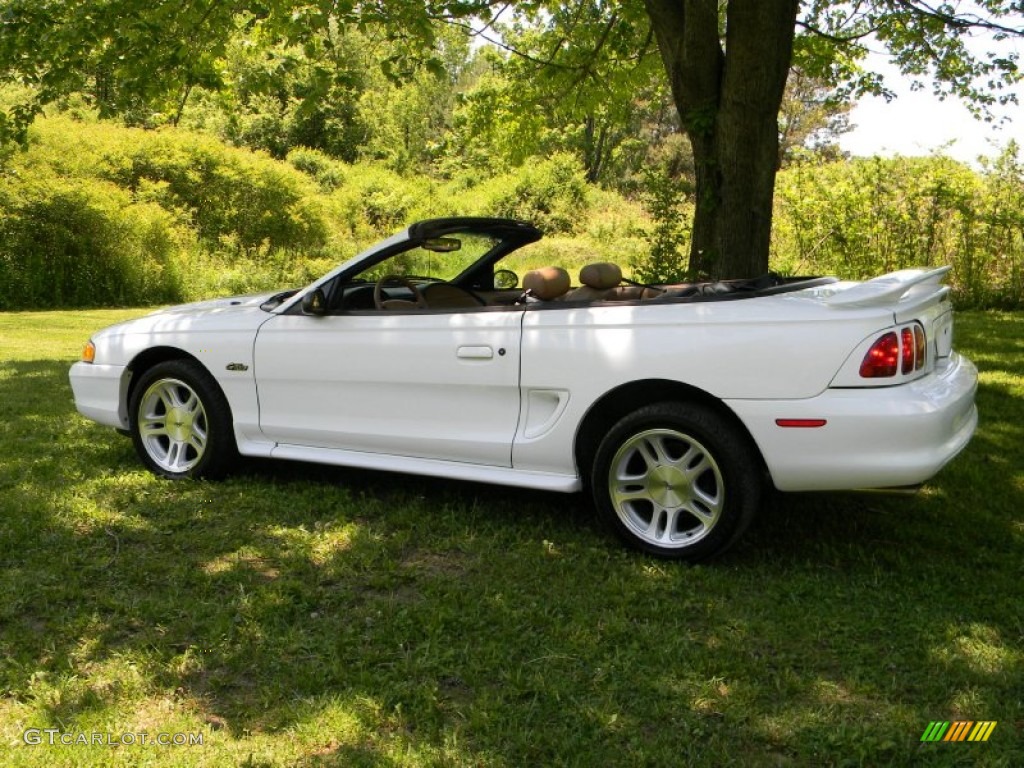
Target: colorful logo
<point>958,730</point>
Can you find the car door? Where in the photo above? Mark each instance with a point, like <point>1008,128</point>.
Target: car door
<point>441,385</point>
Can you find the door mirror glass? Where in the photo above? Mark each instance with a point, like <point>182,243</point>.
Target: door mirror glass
<point>505,278</point>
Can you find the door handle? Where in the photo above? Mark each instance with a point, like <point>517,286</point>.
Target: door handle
<point>475,353</point>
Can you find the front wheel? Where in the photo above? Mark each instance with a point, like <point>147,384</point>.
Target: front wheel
<point>676,480</point>
<point>180,422</point>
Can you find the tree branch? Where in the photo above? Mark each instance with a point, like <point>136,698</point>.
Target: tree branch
<point>505,47</point>
<point>967,21</point>
<point>492,22</point>
<point>839,39</point>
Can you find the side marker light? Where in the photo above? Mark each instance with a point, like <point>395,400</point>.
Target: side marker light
<point>801,423</point>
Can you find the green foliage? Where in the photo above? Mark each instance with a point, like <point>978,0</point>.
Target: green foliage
<point>144,60</point>
<point>487,129</point>
<point>811,119</point>
<point>95,215</point>
<point>278,95</point>
<point>156,216</point>
<point>399,82</point>
<point>227,193</point>
<point>328,172</point>
<point>860,218</point>
<point>407,122</point>
<point>928,42</point>
<point>329,94</point>
<point>551,193</point>
<point>602,98</point>
<point>83,243</point>
<point>665,260</point>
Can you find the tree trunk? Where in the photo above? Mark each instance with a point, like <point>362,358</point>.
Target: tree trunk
<point>728,101</point>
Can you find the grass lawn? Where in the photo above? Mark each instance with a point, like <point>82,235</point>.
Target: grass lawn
<point>303,615</point>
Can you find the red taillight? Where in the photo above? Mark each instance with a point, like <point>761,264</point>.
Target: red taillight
<point>882,359</point>
<point>908,346</point>
<point>904,351</point>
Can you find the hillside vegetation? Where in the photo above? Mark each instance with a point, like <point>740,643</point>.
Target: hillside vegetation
<point>96,214</point>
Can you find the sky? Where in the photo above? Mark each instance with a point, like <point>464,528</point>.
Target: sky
<point>917,123</point>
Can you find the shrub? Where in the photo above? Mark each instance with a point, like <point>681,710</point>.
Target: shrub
<point>665,261</point>
<point>552,194</point>
<point>377,202</point>
<point>329,173</point>
<point>859,218</point>
<point>253,223</point>
<point>228,192</point>
<point>80,244</point>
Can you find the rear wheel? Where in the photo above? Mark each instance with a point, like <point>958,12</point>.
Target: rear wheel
<point>676,480</point>
<point>181,422</point>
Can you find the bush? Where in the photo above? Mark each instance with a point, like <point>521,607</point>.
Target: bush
<point>95,214</point>
<point>84,244</point>
<point>258,202</point>
<point>552,194</point>
<point>859,218</point>
<point>665,261</point>
<point>329,173</point>
<point>376,202</point>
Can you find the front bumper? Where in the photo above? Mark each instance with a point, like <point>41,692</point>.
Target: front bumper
<point>877,437</point>
<point>98,391</point>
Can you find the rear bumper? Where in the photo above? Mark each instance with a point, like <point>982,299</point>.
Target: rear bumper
<point>98,394</point>
<point>876,437</point>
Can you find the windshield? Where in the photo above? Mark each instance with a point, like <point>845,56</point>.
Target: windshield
<point>428,263</point>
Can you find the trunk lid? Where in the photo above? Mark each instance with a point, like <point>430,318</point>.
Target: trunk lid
<point>911,294</point>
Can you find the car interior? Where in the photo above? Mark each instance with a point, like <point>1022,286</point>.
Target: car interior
<point>551,286</point>
<point>450,265</point>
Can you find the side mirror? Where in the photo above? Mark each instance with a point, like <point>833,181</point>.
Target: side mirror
<point>505,279</point>
<point>314,303</point>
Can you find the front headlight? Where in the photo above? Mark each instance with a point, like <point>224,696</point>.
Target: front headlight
<point>89,353</point>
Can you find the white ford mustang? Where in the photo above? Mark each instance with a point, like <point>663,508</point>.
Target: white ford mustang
<point>672,405</point>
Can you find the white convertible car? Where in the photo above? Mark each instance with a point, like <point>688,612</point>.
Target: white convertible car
<point>672,405</point>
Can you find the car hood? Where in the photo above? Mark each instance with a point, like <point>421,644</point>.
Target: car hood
<point>227,304</point>
<point>233,313</point>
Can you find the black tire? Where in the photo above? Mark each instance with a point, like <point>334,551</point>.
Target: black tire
<point>677,480</point>
<point>181,423</point>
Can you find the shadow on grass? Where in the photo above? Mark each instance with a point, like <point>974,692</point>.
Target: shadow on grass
<point>371,616</point>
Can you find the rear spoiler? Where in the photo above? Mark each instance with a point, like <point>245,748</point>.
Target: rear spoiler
<point>889,288</point>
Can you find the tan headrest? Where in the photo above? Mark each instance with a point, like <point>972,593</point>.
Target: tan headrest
<point>601,276</point>
<point>547,283</point>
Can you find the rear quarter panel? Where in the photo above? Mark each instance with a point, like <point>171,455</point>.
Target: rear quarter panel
<point>774,347</point>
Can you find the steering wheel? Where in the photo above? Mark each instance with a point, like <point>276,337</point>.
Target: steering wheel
<point>380,301</point>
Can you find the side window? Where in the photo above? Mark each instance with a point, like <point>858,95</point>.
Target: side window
<point>421,277</point>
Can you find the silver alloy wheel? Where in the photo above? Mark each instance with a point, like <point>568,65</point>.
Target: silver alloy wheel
<point>172,425</point>
<point>666,488</point>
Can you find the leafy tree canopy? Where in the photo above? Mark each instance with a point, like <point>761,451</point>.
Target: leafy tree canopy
<point>725,62</point>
